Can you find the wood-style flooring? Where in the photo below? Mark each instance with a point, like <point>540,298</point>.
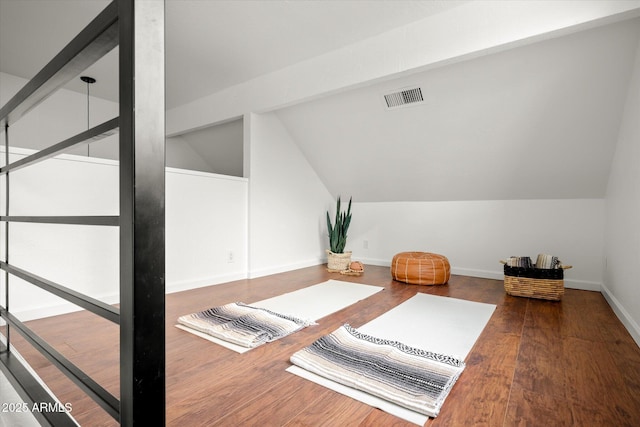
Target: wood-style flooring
<point>537,363</point>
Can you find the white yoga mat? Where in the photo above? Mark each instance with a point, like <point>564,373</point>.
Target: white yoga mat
<point>440,324</point>
<point>312,303</point>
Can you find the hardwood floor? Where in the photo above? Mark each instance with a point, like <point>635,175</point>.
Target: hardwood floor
<point>536,363</point>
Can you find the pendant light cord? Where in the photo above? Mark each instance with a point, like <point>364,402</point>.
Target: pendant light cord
<point>88,125</point>
<point>89,81</point>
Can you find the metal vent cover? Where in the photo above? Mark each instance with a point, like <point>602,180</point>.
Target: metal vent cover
<point>403,97</point>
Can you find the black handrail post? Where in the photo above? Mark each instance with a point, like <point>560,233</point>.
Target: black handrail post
<point>6,233</point>
<point>142,213</point>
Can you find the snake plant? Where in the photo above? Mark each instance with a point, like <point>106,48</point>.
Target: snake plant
<point>338,232</point>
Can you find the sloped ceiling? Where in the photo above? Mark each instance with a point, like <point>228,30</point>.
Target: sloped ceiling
<point>210,44</point>
<point>220,146</point>
<point>534,122</point>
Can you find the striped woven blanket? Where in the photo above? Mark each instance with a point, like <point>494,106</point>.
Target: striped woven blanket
<point>243,324</point>
<point>413,378</point>
<point>547,261</point>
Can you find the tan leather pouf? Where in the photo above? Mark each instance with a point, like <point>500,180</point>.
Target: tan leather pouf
<point>420,268</point>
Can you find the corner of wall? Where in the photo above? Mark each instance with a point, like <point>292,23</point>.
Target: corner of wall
<point>286,201</point>
<point>623,315</point>
<point>621,249</point>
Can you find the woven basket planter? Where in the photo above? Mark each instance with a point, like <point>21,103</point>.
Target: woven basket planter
<point>338,262</point>
<point>535,282</point>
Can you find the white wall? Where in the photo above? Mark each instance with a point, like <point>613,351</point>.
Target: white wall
<point>206,229</point>
<point>622,231</point>
<point>205,220</point>
<point>83,258</point>
<point>475,235</point>
<point>287,201</point>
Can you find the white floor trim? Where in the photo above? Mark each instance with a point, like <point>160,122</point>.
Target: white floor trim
<point>261,272</point>
<point>623,314</point>
<point>584,285</point>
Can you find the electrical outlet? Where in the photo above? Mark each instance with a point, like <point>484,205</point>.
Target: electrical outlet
<point>230,257</point>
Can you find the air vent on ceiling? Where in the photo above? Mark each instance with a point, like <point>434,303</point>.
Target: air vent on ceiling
<point>404,97</point>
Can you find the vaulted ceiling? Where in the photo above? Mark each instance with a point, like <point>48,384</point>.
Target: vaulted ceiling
<point>534,120</point>
<point>210,44</point>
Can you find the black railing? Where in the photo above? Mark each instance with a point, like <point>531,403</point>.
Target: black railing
<point>138,28</point>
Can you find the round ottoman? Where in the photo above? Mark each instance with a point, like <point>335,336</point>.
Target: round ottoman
<point>420,268</point>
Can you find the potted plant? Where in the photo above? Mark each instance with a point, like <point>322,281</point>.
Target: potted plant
<point>338,259</point>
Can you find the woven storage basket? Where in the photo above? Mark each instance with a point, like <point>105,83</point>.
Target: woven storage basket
<point>538,283</point>
<point>338,262</point>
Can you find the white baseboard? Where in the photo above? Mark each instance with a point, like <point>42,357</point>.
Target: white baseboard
<point>186,285</point>
<point>63,308</point>
<point>495,274</point>
<point>485,274</point>
<point>622,314</point>
<point>260,272</point>
<point>583,285</point>
<point>373,261</point>
<point>474,272</point>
